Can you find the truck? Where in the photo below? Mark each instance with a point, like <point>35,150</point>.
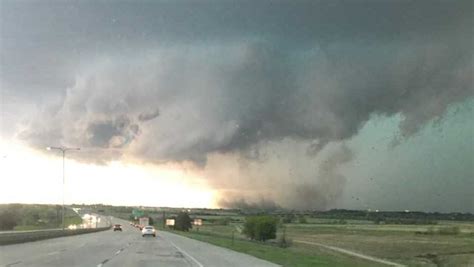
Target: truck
<point>143,221</point>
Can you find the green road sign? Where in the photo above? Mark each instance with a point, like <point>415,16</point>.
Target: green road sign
<point>138,213</point>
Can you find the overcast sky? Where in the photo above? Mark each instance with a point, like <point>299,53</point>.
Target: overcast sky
<point>300,104</point>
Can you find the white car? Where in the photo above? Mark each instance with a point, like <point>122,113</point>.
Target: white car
<point>148,230</point>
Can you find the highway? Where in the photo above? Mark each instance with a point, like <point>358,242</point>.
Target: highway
<point>126,248</point>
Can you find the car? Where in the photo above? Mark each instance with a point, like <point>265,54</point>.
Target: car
<point>117,227</point>
<point>148,230</point>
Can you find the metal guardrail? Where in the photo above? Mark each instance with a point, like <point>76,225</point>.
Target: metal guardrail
<point>15,237</point>
<point>28,231</point>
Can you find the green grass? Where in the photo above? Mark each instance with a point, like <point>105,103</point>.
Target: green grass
<point>72,220</point>
<point>398,243</point>
<point>38,217</point>
<point>293,256</point>
<point>31,227</point>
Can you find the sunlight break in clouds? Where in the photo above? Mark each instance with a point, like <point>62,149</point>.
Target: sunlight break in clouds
<point>28,176</point>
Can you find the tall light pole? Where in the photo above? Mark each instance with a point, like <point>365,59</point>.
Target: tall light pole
<point>63,151</point>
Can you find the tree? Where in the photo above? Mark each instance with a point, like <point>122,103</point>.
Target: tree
<point>260,228</point>
<point>183,222</point>
<point>250,226</point>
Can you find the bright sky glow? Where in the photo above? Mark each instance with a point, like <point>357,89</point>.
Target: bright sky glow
<point>30,177</point>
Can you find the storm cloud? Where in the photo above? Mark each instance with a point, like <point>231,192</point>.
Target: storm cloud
<point>308,74</point>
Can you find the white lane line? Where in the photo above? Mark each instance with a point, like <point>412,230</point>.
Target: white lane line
<point>185,253</point>
<point>13,263</point>
<point>102,263</point>
<point>352,253</point>
<point>53,253</point>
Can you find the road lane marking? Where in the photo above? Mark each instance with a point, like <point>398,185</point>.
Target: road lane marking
<point>106,260</point>
<point>102,263</point>
<point>352,253</point>
<point>185,253</point>
<point>56,252</point>
<point>13,263</point>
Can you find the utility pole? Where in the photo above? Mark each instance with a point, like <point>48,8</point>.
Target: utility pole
<point>64,172</point>
<point>63,150</point>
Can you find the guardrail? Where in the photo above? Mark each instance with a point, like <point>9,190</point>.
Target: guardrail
<point>11,237</point>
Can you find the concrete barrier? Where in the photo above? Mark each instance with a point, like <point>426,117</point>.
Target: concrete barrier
<point>12,237</point>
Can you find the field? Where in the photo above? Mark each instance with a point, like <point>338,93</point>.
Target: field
<point>292,256</point>
<point>447,243</point>
<point>413,245</point>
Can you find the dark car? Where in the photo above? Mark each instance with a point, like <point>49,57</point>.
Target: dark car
<point>117,227</point>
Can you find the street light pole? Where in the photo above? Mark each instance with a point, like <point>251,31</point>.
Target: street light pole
<point>63,151</point>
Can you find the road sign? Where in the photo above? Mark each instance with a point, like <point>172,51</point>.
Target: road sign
<point>138,213</point>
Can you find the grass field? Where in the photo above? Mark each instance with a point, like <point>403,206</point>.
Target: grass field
<point>293,256</point>
<point>411,245</point>
<point>399,243</point>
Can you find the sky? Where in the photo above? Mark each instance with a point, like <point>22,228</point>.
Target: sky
<point>293,104</point>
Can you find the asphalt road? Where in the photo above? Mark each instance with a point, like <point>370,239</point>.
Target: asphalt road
<point>127,248</point>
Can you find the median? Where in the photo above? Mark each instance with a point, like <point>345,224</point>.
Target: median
<point>8,238</point>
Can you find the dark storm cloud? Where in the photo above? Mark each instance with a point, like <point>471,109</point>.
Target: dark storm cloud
<point>47,41</point>
<point>314,185</point>
<point>112,133</point>
<point>146,116</point>
<point>183,81</point>
<point>328,188</point>
<point>248,206</point>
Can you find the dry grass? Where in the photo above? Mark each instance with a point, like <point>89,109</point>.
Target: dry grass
<point>394,242</point>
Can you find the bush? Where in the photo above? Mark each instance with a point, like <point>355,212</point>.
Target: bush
<point>454,230</point>
<point>183,222</point>
<point>260,228</point>
<point>342,221</point>
<point>288,218</point>
<point>249,227</point>
<point>302,219</point>
<point>8,220</point>
<point>222,221</point>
